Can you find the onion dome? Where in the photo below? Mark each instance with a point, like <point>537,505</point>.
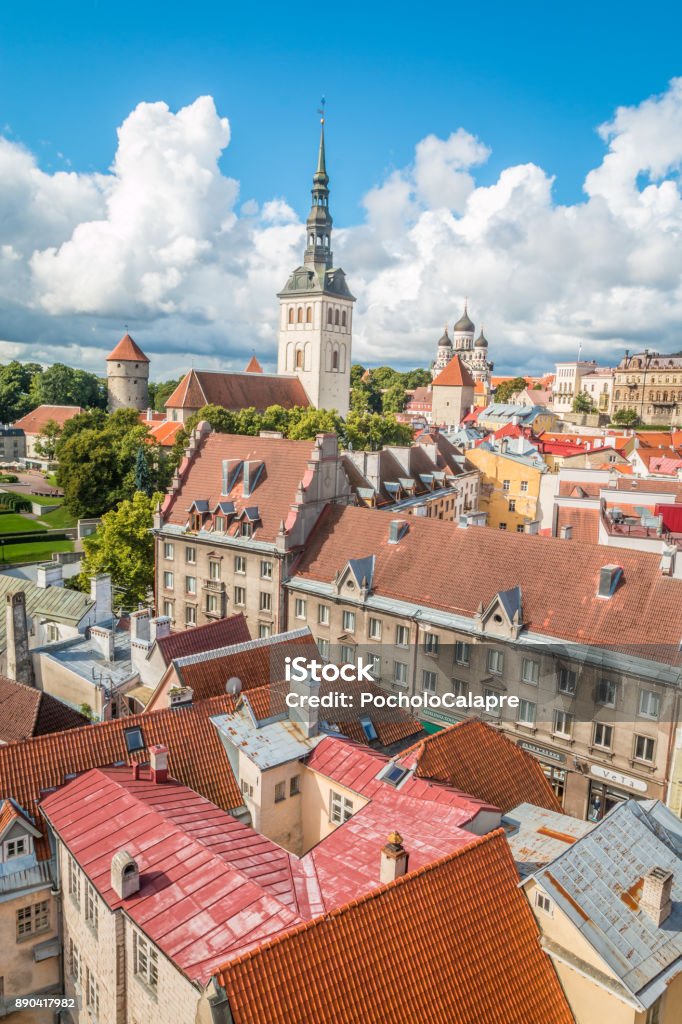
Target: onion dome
<point>481,341</point>
<point>445,342</point>
<point>464,324</point>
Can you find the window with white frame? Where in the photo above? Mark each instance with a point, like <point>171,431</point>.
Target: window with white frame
<point>323,647</point>
<point>265,570</point>
<point>190,615</point>
<point>400,673</point>
<point>543,902</point>
<point>168,609</point>
<point>563,723</point>
<point>649,704</point>
<point>524,485</point>
<point>375,665</point>
<point>492,709</point>
<point>247,788</point>
<point>190,584</point>
<point>402,636</point>
<point>74,874</point>
<point>240,565</point>
<point>462,653</point>
<point>459,688</point>
<point>527,710</point>
<point>265,601</point>
<point>495,661</point>
<point>603,735</point>
<point>530,671</point>
<point>568,681</point>
<point>431,643</point>
<point>214,570</point>
<point>145,961</point>
<point>349,621</point>
<point>75,963</point>
<point>644,748</point>
<point>606,693</point>
<point>374,629</point>
<point>191,556</point>
<point>300,608</point>
<point>264,630</point>
<point>212,604</point>
<point>168,580</point>
<point>33,919</point>
<point>340,808</point>
<point>240,596</point>
<point>91,906</point>
<point>17,847</point>
<point>347,654</point>
<point>323,614</point>
<point>168,552</point>
<point>429,681</point>
<point>505,485</point>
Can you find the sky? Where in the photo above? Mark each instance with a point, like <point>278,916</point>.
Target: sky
<point>156,161</point>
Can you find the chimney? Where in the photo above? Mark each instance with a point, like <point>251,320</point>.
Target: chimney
<point>180,697</point>
<point>394,859</point>
<point>667,566</point>
<point>136,770</point>
<point>566,532</point>
<point>50,574</point>
<point>609,578</point>
<point>101,594</point>
<point>125,875</point>
<point>103,640</point>
<point>231,469</point>
<point>139,625</point>
<point>397,529</point>
<point>158,760</point>
<point>306,717</point>
<point>19,662</point>
<point>159,627</point>
<point>656,901</point>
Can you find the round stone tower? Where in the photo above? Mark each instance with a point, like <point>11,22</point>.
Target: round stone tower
<point>127,376</point>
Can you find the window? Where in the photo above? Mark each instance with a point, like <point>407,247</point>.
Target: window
<point>644,748</point>
<point>512,505</point>
<point>400,673</point>
<point>429,681</point>
<point>323,647</point>
<point>212,605</point>
<point>374,629</point>
<point>568,681</point>
<point>91,910</point>
<point>191,556</point>
<point>349,621</point>
<point>75,966</point>
<point>524,486</point>
<point>431,643</point>
<point>505,485</point>
<point>219,524</point>
<point>493,709</point>
<point>134,739</point>
<point>16,847</point>
<point>323,614</point>
<point>462,652</point>
<point>168,580</point>
<point>402,636</point>
<point>347,654</point>
<point>214,570</point>
<point>191,584</point>
<point>603,735</point>
<point>34,919</point>
<point>563,723</point>
<point>145,961</point>
<point>527,712</point>
<point>168,609</point>
<point>264,630</point>
<point>247,788</point>
<point>92,993</point>
<point>168,552</point>
<point>459,687</point>
<point>240,565</point>
<point>649,704</point>
<point>245,529</point>
<point>74,882</point>
<point>265,570</point>
<point>240,596</point>
<point>502,526</point>
<point>495,661</point>
<point>340,808</point>
<point>280,792</point>
<point>520,528</point>
<point>530,671</point>
<point>294,785</point>
<point>265,604</point>
<point>368,728</point>
<point>375,666</point>
<point>606,693</point>
<point>543,903</point>
<point>300,608</point>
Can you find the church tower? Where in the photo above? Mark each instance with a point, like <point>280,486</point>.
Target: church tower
<point>316,309</point>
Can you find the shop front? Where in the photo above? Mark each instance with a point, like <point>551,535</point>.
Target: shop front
<point>608,788</point>
<point>553,764</point>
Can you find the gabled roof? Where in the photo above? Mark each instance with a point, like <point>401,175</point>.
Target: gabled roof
<point>393,954</point>
<point>455,374</point>
<point>25,712</point>
<point>209,637</point>
<point>127,350</point>
<point>34,422</point>
<point>478,759</point>
<point>253,366</point>
<point>597,882</point>
<point>53,603</point>
<point>511,602</point>
<point>237,391</point>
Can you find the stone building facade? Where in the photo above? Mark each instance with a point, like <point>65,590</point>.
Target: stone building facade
<point>650,385</point>
<point>127,376</point>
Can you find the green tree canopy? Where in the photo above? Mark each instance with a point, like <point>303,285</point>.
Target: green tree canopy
<point>393,399</point>
<point>63,385</point>
<point>160,392</point>
<point>582,402</point>
<point>124,547</point>
<point>626,418</point>
<point>356,372</point>
<point>46,445</point>
<point>506,388</point>
<point>15,387</point>
<point>371,431</point>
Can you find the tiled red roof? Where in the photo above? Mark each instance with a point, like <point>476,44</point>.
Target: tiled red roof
<point>395,955</point>
<point>419,569</point>
<point>253,366</point>
<point>165,433</point>
<point>232,630</point>
<point>584,523</point>
<point>127,350</point>
<point>285,467</point>
<point>35,422</point>
<point>25,711</point>
<point>237,391</point>
<point>455,374</point>
<point>478,759</point>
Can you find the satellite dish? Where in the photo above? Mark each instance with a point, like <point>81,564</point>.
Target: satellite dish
<point>233,686</point>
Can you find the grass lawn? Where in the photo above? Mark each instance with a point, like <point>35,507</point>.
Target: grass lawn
<point>15,523</point>
<point>33,551</point>
<point>58,519</point>
<point>39,499</point>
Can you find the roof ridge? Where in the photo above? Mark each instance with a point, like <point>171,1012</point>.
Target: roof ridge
<point>245,645</point>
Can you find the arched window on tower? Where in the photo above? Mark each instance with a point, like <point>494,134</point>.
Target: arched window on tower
<point>309,315</point>
<point>312,240</point>
<point>299,358</point>
<point>336,318</point>
<point>330,317</point>
<point>343,319</point>
<point>335,360</point>
<point>291,314</point>
<point>300,314</point>
<point>319,239</point>
<point>326,241</point>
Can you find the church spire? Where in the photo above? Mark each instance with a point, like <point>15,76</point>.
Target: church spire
<point>318,252</point>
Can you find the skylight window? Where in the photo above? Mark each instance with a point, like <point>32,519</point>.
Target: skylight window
<point>368,729</point>
<point>134,740</point>
<point>394,775</point>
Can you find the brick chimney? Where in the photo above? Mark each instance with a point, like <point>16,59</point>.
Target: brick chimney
<point>656,901</point>
<point>394,858</point>
<point>19,662</point>
<point>159,627</point>
<point>158,761</point>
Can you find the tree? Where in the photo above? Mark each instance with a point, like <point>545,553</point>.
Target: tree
<point>385,376</point>
<point>393,399</point>
<point>46,445</point>
<point>506,388</point>
<point>312,422</point>
<point>62,385</point>
<point>15,385</point>
<point>143,477</point>
<point>160,392</point>
<point>365,397</point>
<point>626,418</point>
<point>123,546</point>
<point>371,431</point>
<point>356,372</point>
<point>418,378</point>
<point>582,402</point>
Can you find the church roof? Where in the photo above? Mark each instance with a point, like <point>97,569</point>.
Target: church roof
<point>237,391</point>
<point>253,366</point>
<point>454,375</point>
<point>444,341</point>
<point>127,349</point>
<point>481,341</point>
<point>464,323</point>
<point>304,279</point>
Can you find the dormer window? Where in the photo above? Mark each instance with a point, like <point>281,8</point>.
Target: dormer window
<point>17,847</point>
<point>245,529</point>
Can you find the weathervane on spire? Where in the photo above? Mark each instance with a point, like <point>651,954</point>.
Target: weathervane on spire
<point>321,111</point>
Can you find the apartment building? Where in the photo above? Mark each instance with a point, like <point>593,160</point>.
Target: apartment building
<point>568,383</point>
<point>649,384</point>
<point>511,477</point>
<point>239,509</point>
<point>445,610</point>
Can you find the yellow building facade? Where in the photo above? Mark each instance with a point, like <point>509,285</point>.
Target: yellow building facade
<point>509,491</point>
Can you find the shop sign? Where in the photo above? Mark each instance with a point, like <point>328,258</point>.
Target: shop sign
<point>618,779</point>
<point>533,748</point>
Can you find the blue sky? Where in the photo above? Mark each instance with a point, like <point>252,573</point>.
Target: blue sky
<point>464,153</point>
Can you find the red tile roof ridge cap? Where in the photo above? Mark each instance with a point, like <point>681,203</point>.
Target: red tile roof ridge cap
<point>245,645</point>
<point>497,834</point>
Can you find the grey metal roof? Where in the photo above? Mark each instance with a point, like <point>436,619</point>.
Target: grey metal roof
<point>29,874</point>
<point>363,570</point>
<point>266,744</point>
<point>536,836</point>
<point>83,657</point>
<point>511,601</point>
<point>55,603</point>
<point>597,884</point>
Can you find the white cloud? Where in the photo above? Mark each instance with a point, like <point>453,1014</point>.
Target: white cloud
<point>159,240</point>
